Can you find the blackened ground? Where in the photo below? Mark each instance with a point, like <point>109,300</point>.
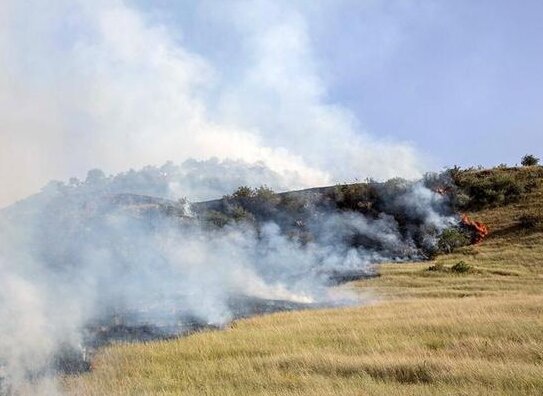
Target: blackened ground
<point>118,328</point>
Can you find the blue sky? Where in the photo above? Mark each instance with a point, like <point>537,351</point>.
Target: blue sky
<point>462,80</point>
<point>318,91</point>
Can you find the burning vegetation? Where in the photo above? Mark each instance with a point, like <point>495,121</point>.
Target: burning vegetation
<point>143,268</point>
<point>479,230</point>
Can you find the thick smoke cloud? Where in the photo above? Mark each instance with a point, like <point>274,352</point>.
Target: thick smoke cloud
<point>103,85</point>
<point>80,257</point>
<point>193,180</point>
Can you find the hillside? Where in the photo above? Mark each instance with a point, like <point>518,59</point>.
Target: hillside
<point>421,331</point>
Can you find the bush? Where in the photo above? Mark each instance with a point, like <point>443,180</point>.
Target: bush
<point>243,192</point>
<point>460,200</point>
<point>240,214</point>
<point>529,160</point>
<point>266,194</point>
<point>461,267</point>
<point>486,190</point>
<point>356,197</point>
<point>455,173</point>
<point>436,267</point>
<point>292,204</point>
<point>451,239</point>
<point>216,219</point>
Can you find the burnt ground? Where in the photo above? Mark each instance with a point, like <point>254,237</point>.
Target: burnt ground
<point>126,328</point>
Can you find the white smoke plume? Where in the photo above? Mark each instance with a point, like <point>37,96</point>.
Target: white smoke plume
<point>79,257</point>
<point>103,85</point>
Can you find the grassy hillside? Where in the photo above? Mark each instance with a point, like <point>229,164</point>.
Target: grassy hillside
<point>422,331</point>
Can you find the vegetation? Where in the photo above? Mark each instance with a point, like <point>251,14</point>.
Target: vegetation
<point>357,197</point>
<point>421,332</point>
<point>496,187</point>
<point>437,267</point>
<point>216,219</point>
<point>244,205</point>
<point>529,160</point>
<point>452,239</point>
<point>461,267</point>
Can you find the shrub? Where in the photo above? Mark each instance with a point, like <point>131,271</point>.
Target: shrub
<point>239,214</point>
<point>455,173</point>
<point>243,192</point>
<point>292,204</point>
<point>461,267</point>
<point>460,200</point>
<point>264,193</point>
<point>216,219</point>
<point>529,160</point>
<point>352,196</point>
<point>95,176</point>
<point>436,267</point>
<point>451,239</point>
<point>486,190</point>
<point>265,201</point>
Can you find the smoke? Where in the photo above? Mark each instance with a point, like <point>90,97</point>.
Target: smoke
<point>109,85</point>
<point>79,259</point>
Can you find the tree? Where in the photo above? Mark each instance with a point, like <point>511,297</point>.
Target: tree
<point>529,160</point>
<point>95,176</point>
<point>243,192</point>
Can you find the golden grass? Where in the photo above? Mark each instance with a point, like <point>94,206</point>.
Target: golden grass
<point>474,345</point>
<point>433,332</point>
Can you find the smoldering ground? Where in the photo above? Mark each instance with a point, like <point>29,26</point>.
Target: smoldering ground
<point>80,269</point>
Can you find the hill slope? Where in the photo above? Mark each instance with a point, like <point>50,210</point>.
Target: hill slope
<point>424,332</point>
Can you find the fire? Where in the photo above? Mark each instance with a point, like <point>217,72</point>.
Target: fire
<point>480,230</point>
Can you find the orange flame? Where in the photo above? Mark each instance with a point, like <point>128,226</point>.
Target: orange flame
<point>480,230</point>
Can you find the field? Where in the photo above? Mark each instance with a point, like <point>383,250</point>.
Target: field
<point>422,332</point>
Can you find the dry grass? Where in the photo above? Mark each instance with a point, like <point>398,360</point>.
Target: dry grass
<point>474,345</point>
<point>434,332</point>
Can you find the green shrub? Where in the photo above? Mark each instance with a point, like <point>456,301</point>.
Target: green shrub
<point>357,197</point>
<point>266,194</point>
<point>216,219</point>
<point>243,192</point>
<point>292,203</point>
<point>490,189</point>
<point>451,239</point>
<point>460,200</point>
<point>455,173</point>
<point>461,267</point>
<point>260,195</point>
<point>239,214</point>
<point>529,160</point>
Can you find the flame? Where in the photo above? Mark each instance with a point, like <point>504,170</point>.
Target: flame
<point>480,230</point>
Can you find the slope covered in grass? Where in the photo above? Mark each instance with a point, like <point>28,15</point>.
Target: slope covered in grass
<point>422,331</point>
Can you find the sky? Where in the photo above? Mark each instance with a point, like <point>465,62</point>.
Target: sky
<point>459,80</point>
<point>327,91</point>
